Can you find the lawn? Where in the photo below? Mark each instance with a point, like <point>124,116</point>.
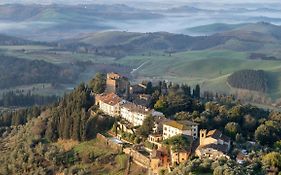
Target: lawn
<point>111,162</point>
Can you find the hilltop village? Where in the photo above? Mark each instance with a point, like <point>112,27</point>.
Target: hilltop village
<point>169,142</point>
<point>110,126</point>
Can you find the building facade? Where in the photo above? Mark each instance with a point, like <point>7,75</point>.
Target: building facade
<point>173,128</point>
<point>117,84</point>
<point>109,103</point>
<point>213,145</point>
<point>180,156</point>
<point>136,114</point>
<point>159,160</point>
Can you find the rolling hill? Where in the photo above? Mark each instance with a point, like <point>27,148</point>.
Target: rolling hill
<point>255,38</point>
<point>208,60</point>
<point>57,21</point>
<point>256,32</point>
<point>53,12</point>
<point>260,32</point>
<point>213,28</point>
<point>9,40</point>
<point>136,43</point>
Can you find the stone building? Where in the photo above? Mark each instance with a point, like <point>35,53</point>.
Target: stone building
<point>117,84</point>
<point>213,145</point>
<point>159,160</point>
<point>179,156</point>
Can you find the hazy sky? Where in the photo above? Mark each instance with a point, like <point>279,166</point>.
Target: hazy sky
<point>135,1</point>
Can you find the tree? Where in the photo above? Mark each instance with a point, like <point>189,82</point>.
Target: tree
<point>161,104</point>
<point>273,160</point>
<point>186,90</point>
<point>147,126</point>
<point>178,142</point>
<point>268,133</point>
<point>149,88</point>
<point>262,134</point>
<point>249,123</point>
<point>196,91</point>
<point>277,145</point>
<point>98,83</point>
<point>232,129</point>
<point>235,114</point>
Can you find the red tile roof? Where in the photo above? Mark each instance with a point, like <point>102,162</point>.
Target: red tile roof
<point>216,134</point>
<point>110,99</point>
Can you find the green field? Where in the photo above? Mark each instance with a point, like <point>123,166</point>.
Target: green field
<point>210,68</point>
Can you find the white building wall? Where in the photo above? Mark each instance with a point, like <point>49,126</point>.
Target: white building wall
<point>169,131</point>
<point>110,110</point>
<point>134,118</point>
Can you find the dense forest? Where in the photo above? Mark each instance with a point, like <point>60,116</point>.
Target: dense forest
<point>15,71</point>
<point>19,99</point>
<point>71,119</point>
<point>20,116</point>
<point>256,80</point>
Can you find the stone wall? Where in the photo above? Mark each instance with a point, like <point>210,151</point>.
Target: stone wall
<point>109,143</point>
<point>138,158</point>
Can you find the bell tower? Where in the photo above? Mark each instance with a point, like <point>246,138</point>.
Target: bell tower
<point>203,134</point>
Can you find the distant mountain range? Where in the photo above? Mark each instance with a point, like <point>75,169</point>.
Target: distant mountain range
<point>241,37</point>
<point>49,22</point>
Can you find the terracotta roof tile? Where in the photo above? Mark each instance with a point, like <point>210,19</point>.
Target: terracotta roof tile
<point>136,108</point>
<point>110,98</point>
<point>216,134</point>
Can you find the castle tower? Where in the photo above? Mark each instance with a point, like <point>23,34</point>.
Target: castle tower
<point>203,134</point>
<point>117,84</point>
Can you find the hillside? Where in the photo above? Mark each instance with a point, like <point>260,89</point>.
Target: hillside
<point>213,28</point>
<point>136,43</point>
<point>208,60</point>
<point>15,72</point>
<point>256,32</point>
<point>49,143</point>
<point>256,80</point>
<point>251,37</point>
<point>9,40</point>
<point>71,12</point>
<point>24,150</point>
<point>64,20</point>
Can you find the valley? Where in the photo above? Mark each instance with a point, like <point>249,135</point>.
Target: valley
<point>139,87</point>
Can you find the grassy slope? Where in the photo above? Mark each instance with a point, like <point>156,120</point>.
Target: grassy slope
<point>114,38</point>
<point>214,28</point>
<point>210,68</point>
